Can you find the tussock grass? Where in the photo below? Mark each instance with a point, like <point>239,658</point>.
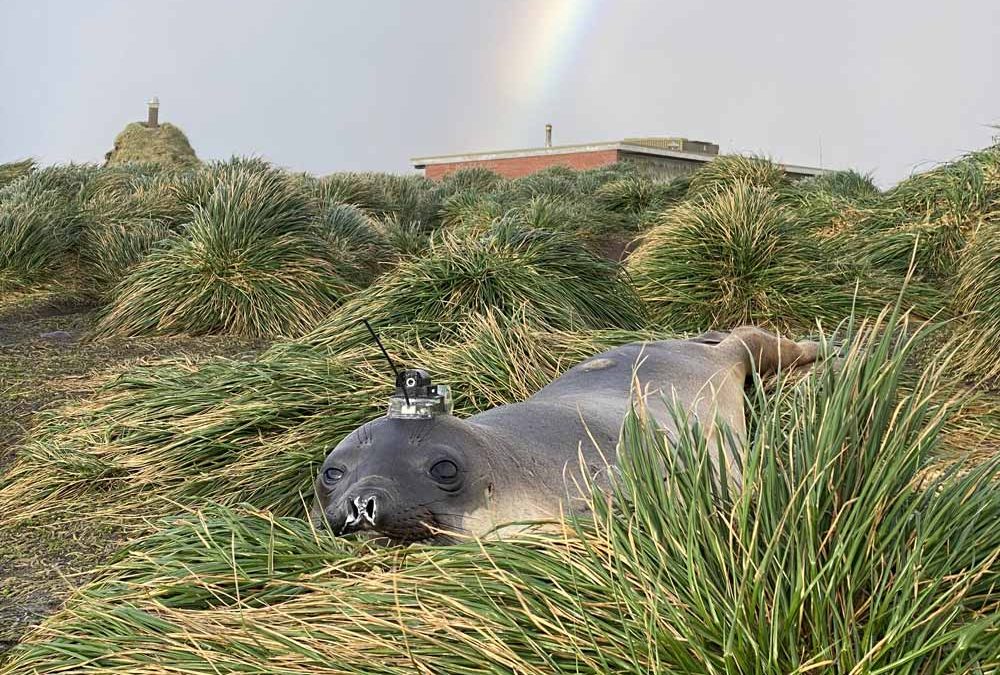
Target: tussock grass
<point>130,210</point>
<point>734,257</point>
<point>61,216</point>
<point>977,299</point>
<point>637,194</point>
<point>109,251</point>
<point>362,247</point>
<point>250,263</point>
<point>936,213</point>
<point>833,203</point>
<point>931,247</point>
<point>564,214</point>
<point>349,188</point>
<point>194,188</point>
<point>839,554</point>
<point>727,170</point>
<point>12,171</point>
<point>961,189</point>
<point>69,181</point>
<point>35,232</point>
<point>165,145</point>
<point>562,283</point>
<point>848,185</point>
<point>477,179</point>
<point>123,195</point>
<point>846,550</point>
<point>472,211</point>
<point>595,205</point>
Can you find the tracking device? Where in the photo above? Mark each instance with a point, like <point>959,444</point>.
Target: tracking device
<point>417,398</point>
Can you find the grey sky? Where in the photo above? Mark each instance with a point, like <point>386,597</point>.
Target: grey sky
<point>886,87</point>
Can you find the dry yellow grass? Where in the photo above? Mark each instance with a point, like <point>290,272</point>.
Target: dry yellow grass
<point>165,145</point>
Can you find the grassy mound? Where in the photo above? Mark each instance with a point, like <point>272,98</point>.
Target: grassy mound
<point>727,170</point>
<point>165,145</point>
<point>476,178</point>
<point>977,299</point>
<point>12,171</point>
<point>933,214</point>
<point>250,263</point>
<point>603,207</point>
<point>638,194</point>
<point>69,181</point>
<point>131,210</point>
<point>110,250</point>
<point>355,239</point>
<point>832,203</point>
<point>734,257</point>
<point>845,184</point>
<point>36,230</point>
<point>838,555</point>
<point>50,214</point>
<point>506,269</point>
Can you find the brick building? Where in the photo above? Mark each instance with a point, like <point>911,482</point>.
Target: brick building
<point>661,157</point>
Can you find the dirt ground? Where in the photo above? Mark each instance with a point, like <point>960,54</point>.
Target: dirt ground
<point>47,359</point>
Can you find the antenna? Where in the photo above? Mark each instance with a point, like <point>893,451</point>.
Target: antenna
<point>395,370</point>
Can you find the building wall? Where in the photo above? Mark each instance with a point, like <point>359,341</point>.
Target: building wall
<point>515,167</point>
<point>662,168</point>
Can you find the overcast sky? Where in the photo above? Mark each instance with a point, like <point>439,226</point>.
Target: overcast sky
<point>887,87</point>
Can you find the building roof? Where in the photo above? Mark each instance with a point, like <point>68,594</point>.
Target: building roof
<point>623,146</point>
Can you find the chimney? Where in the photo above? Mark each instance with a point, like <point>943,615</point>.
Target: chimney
<point>153,120</point>
<point>548,135</point>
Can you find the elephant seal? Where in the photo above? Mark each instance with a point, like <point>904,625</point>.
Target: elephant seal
<point>409,480</point>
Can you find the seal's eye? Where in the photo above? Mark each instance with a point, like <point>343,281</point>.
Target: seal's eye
<point>444,471</point>
<point>332,475</point>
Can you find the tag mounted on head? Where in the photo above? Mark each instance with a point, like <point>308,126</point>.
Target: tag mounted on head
<point>416,398</point>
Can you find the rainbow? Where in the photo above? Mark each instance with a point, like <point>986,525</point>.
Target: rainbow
<point>544,47</point>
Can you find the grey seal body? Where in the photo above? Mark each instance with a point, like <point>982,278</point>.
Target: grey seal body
<point>410,480</point>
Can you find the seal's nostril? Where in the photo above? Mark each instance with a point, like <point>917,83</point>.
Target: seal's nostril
<point>352,511</point>
<point>370,508</point>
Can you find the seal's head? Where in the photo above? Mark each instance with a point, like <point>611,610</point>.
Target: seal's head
<point>404,479</point>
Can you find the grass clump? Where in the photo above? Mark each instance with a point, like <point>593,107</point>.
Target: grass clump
<point>109,251</point>
<point>165,145</point>
<point>833,203</point>
<point>250,263</point>
<point>637,194</point>
<point>70,182</point>
<point>849,185</point>
<point>837,554</point>
<point>735,257</point>
<point>132,209</point>
<point>477,179</point>
<point>356,240</point>
<point>12,171</point>
<point>976,299</point>
<point>935,213</point>
<point>35,233</point>
<point>728,170</point>
<point>504,269</point>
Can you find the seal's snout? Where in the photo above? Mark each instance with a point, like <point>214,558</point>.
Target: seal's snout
<point>361,512</point>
